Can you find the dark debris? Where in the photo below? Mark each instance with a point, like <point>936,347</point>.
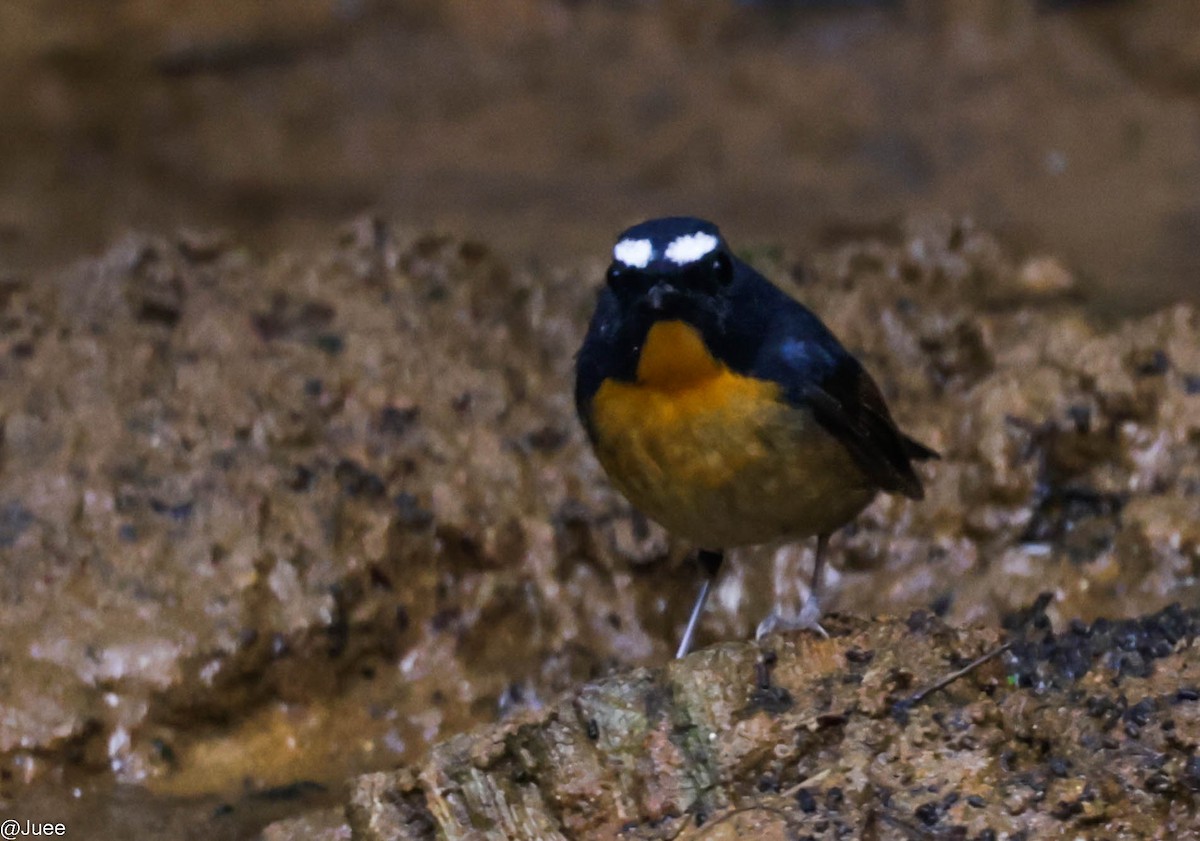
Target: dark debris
<point>1039,657</point>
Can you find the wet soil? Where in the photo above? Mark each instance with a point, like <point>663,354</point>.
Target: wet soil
<point>279,522</point>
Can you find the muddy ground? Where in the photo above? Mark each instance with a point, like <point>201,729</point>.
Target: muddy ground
<point>269,523</point>
<point>285,500</point>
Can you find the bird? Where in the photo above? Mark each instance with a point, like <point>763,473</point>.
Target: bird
<point>726,411</point>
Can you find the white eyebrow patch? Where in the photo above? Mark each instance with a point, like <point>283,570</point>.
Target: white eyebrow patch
<point>690,247</point>
<point>635,253</point>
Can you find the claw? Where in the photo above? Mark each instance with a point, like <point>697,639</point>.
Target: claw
<point>807,620</point>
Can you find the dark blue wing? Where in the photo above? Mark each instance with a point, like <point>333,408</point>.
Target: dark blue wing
<point>815,371</point>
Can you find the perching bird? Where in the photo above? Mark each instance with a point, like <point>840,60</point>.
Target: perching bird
<point>725,410</point>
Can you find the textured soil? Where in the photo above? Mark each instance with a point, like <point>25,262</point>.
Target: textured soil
<point>838,738</point>
<point>268,523</point>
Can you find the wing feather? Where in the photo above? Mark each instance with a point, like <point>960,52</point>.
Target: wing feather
<point>816,371</point>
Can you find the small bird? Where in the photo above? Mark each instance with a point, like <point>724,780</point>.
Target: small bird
<point>726,411</point>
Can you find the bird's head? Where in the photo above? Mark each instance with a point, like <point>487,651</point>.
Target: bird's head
<point>677,267</point>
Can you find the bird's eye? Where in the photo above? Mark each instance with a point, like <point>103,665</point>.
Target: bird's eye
<point>614,275</point>
<point>722,268</point>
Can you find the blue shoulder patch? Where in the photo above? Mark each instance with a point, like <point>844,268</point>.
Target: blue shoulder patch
<point>805,355</point>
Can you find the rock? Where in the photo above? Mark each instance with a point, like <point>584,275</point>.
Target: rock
<point>1045,277</point>
<point>891,742</point>
<point>327,825</point>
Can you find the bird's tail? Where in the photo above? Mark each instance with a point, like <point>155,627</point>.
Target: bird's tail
<point>917,450</point>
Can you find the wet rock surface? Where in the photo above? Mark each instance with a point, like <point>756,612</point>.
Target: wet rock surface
<point>839,738</point>
<point>269,523</point>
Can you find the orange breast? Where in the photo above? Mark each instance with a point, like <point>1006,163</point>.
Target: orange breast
<point>715,456</point>
<point>686,415</point>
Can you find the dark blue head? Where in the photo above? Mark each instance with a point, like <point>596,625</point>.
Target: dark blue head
<point>665,262</point>
<point>674,269</point>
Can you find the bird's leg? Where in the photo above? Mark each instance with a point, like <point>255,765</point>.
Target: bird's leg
<point>810,615</point>
<point>710,562</point>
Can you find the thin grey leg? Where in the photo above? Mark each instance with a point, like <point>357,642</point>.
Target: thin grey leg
<point>710,562</point>
<point>819,567</point>
<point>810,613</point>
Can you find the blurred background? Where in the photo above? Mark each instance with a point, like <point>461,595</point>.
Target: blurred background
<point>544,126</point>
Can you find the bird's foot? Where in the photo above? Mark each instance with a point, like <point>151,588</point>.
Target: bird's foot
<point>808,619</point>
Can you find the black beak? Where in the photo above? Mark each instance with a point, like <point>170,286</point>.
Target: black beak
<point>659,294</point>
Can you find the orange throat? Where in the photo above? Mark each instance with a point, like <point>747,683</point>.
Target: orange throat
<point>674,358</point>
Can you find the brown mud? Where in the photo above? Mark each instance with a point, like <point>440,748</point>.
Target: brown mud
<point>272,523</point>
